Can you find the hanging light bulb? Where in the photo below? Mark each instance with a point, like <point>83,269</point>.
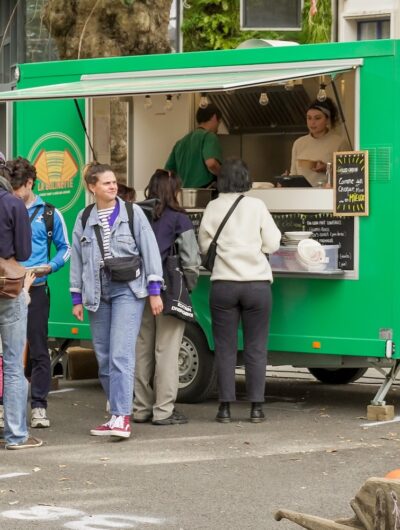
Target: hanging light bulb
<point>264,99</point>
<point>168,103</point>
<point>203,101</point>
<point>321,96</point>
<point>148,103</point>
<point>289,85</point>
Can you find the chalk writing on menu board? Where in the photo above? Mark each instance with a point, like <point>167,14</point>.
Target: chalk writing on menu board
<point>350,183</point>
<point>326,228</point>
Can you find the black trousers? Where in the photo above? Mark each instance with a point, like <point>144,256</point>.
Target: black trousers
<point>250,303</point>
<point>38,363</point>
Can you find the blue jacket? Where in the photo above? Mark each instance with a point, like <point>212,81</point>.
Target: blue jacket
<point>39,240</point>
<point>86,257</point>
<point>15,239</point>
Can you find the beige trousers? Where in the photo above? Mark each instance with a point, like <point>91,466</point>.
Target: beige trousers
<point>157,372</point>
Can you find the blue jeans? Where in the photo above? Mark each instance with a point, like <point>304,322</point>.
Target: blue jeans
<point>13,319</point>
<point>115,327</point>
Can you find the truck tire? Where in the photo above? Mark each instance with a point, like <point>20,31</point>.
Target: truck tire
<point>337,376</point>
<point>197,372</point>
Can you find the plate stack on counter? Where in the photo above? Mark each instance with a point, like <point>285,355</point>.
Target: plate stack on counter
<point>292,239</point>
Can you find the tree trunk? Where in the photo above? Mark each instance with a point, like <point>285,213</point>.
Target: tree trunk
<point>109,28</point>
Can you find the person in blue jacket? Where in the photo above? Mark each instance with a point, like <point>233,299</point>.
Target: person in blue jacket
<point>23,178</point>
<point>15,241</point>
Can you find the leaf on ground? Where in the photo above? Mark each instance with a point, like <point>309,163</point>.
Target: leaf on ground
<point>11,503</point>
<point>36,469</point>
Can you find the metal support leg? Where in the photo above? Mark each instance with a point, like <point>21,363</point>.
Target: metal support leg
<point>60,352</point>
<point>390,377</point>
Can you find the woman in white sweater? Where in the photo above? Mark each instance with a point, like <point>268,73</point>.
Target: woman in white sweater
<point>241,285</point>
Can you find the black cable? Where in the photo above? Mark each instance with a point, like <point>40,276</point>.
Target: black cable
<point>342,117</point>
<point>84,128</point>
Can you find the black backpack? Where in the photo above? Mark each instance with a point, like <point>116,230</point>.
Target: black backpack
<point>48,217</point>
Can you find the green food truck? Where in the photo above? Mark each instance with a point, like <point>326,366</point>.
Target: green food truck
<point>336,320</point>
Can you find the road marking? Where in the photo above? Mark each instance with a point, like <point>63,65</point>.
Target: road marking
<point>85,522</point>
<point>12,475</point>
<point>61,390</point>
<point>376,423</point>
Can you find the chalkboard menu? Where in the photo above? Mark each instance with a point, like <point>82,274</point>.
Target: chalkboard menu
<point>350,183</point>
<point>327,229</point>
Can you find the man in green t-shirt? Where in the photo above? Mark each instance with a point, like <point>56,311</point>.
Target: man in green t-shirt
<point>197,157</point>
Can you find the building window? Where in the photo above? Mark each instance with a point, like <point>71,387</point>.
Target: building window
<point>373,29</point>
<point>12,21</point>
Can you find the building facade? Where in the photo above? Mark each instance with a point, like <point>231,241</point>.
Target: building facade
<point>368,19</point>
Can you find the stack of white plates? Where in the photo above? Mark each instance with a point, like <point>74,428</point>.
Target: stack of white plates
<point>294,238</point>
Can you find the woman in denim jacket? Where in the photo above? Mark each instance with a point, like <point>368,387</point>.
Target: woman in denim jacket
<point>115,308</point>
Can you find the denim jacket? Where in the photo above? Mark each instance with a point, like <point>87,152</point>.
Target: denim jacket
<point>86,257</point>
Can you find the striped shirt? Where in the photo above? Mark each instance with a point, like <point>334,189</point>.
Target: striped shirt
<point>104,217</point>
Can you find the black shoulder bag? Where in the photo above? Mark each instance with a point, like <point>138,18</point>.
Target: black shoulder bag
<point>176,297</point>
<point>209,259</point>
<point>123,269</point>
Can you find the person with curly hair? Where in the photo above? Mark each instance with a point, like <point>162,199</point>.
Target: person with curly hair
<point>15,242</point>
<point>22,175</point>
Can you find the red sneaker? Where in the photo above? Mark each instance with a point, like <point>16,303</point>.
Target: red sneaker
<point>105,429</point>
<point>121,427</point>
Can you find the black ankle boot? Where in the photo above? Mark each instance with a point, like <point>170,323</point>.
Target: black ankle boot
<point>257,414</point>
<point>224,412</point>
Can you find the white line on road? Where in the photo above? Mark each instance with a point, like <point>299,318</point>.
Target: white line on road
<point>376,423</point>
<point>12,475</point>
<point>61,390</point>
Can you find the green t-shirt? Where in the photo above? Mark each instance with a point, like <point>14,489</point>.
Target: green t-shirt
<point>188,157</point>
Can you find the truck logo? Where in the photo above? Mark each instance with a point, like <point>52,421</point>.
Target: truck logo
<point>58,159</point>
<point>55,169</point>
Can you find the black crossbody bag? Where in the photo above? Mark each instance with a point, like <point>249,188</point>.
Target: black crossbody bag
<point>209,258</point>
<point>123,269</point>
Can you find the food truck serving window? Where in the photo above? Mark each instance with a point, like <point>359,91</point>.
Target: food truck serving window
<point>172,81</point>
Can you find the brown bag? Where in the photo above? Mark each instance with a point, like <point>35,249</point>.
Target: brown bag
<point>11,278</point>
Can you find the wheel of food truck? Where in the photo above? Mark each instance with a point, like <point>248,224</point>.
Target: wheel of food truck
<point>197,373</point>
<point>337,376</point>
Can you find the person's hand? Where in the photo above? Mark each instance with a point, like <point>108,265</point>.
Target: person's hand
<point>319,167</point>
<point>77,311</point>
<point>28,280</point>
<point>45,271</point>
<point>156,304</point>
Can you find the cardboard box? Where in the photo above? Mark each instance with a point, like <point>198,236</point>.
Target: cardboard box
<point>81,364</point>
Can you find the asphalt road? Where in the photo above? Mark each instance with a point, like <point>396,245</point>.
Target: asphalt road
<point>311,455</point>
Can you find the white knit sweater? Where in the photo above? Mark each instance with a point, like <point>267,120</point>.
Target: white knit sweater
<point>249,234</point>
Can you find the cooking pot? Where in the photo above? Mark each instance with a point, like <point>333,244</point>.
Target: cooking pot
<point>195,197</point>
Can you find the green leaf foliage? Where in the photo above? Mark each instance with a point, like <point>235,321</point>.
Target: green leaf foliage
<point>317,28</point>
<point>215,25</point>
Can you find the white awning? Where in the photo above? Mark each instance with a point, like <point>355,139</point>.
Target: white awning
<point>215,79</point>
